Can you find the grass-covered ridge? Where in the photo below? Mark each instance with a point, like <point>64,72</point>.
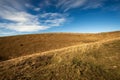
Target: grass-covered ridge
<point>91,61</point>
<point>16,46</point>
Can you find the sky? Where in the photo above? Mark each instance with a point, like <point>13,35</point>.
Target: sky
<point>18,17</point>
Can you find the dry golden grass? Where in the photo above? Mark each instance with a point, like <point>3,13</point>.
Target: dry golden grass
<point>16,46</point>
<point>90,61</point>
<point>96,59</point>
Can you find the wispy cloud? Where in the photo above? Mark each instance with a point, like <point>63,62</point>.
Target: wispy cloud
<point>83,4</point>
<point>29,6</point>
<point>53,19</point>
<point>22,21</point>
<point>12,5</point>
<point>93,4</point>
<point>16,16</point>
<point>46,3</point>
<point>70,4</point>
<point>37,9</point>
<point>21,27</point>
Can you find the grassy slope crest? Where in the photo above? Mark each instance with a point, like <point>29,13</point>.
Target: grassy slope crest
<point>90,61</point>
<point>16,46</point>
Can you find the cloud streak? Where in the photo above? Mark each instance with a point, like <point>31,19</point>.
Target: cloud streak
<point>82,4</point>
<point>53,19</point>
<point>22,21</point>
<point>70,4</point>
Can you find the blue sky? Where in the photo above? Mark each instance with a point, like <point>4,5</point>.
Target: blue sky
<point>42,16</point>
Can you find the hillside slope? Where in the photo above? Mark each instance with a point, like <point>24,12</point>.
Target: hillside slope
<point>16,46</point>
<point>90,61</point>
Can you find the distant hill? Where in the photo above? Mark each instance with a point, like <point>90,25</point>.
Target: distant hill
<point>61,56</point>
<point>16,46</point>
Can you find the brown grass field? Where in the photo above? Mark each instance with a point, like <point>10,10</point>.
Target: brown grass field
<point>60,56</point>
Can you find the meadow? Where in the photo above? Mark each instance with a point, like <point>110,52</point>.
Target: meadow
<point>60,56</point>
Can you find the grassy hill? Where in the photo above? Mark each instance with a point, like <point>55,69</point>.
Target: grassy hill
<point>83,57</point>
<point>91,61</point>
<point>16,46</point>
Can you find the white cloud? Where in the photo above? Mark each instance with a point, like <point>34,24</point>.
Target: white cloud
<point>22,21</point>
<point>93,4</point>
<point>75,4</point>
<point>16,4</point>
<point>55,22</point>
<point>32,7</point>
<point>52,15</point>
<point>25,22</point>
<point>46,3</point>
<point>16,16</point>
<point>29,5</point>
<point>70,4</point>
<point>85,4</point>
<point>37,9</point>
<point>25,27</point>
<point>53,19</point>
